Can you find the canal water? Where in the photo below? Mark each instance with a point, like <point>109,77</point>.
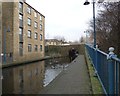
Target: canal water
<point>31,78</point>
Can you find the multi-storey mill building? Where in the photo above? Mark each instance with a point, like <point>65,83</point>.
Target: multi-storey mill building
<point>22,33</point>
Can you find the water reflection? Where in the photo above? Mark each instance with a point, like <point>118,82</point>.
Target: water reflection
<point>31,78</point>
<point>53,68</point>
<point>23,79</point>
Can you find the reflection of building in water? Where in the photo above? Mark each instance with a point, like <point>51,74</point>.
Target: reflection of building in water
<point>26,79</point>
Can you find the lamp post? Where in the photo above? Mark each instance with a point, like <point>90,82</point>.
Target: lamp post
<point>87,3</point>
<point>95,55</point>
<point>86,36</point>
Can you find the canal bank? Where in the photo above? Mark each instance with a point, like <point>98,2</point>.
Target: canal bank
<point>32,77</point>
<point>74,80</point>
<point>27,62</point>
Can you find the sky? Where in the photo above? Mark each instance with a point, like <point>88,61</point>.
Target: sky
<point>64,18</point>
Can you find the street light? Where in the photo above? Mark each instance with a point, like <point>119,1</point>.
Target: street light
<point>87,3</point>
<point>86,32</point>
<point>95,55</point>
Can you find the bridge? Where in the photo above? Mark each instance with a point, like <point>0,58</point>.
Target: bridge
<point>75,79</point>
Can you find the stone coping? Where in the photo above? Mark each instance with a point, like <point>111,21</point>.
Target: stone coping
<point>27,62</point>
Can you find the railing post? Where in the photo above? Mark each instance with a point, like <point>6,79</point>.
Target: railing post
<point>111,71</point>
<point>96,58</point>
<point>96,66</point>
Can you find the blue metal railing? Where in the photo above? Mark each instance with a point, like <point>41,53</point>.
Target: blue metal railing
<point>108,70</point>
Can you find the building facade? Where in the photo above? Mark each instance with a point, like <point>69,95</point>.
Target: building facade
<point>53,42</point>
<point>0,32</point>
<point>23,29</point>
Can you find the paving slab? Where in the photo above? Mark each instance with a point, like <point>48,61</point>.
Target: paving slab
<point>73,80</point>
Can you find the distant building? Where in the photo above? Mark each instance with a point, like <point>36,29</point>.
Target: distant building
<point>22,32</point>
<point>53,42</point>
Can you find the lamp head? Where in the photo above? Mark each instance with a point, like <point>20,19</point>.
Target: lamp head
<point>86,2</point>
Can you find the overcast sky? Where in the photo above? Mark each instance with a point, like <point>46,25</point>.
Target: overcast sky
<point>65,18</point>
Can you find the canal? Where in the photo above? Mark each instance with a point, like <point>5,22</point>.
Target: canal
<point>31,78</point>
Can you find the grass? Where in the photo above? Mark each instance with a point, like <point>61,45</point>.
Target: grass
<point>96,86</point>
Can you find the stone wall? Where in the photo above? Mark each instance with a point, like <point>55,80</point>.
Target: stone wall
<point>63,50</point>
<point>0,32</point>
<point>7,28</point>
<point>10,40</point>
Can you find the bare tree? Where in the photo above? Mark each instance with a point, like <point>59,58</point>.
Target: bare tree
<point>60,38</point>
<point>82,39</point>
<point>108,27</point>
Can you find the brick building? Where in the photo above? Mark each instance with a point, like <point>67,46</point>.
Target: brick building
<point>22,33</point>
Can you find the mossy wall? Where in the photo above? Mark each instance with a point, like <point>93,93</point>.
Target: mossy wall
<point>53,50</point>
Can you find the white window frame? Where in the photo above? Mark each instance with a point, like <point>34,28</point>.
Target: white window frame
<point>40,18</point>
<point>29,21</point>
<point>41,37</point>
<point>36,35</point>
<point>41,27</point>
<point>28,10</point>
<point>35,24</point>
<point>35,14</point>
<point>29,34</point>
<point>20,16</point>
<point>29,47</point>
<point>20,31</point>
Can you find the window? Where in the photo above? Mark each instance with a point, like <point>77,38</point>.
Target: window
<point>21,49</point>
<point>20,17</point>
<point>40,47</point>
<point>36,47</point>
<point>35,14</point>
<point>40,27</point>
<point>20,35</point>
<point>20,31</point>
<point>29,21</point>
<point>29,34</point>
<point>36,36</point>
<point>40,18</point>
<point>29,48</point>
<point>40,37</point>
<point>21,7</point>
<point>29,10</point>
<point>20,20</point>
<point>35,24</point>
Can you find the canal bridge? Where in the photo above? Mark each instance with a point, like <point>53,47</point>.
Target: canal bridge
<point>76,78</point>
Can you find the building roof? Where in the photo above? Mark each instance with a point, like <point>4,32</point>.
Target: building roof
<point>53,40</point>
<point>34,9</point>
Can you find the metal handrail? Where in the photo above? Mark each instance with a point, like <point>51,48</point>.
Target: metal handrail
<point>107,67</point>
